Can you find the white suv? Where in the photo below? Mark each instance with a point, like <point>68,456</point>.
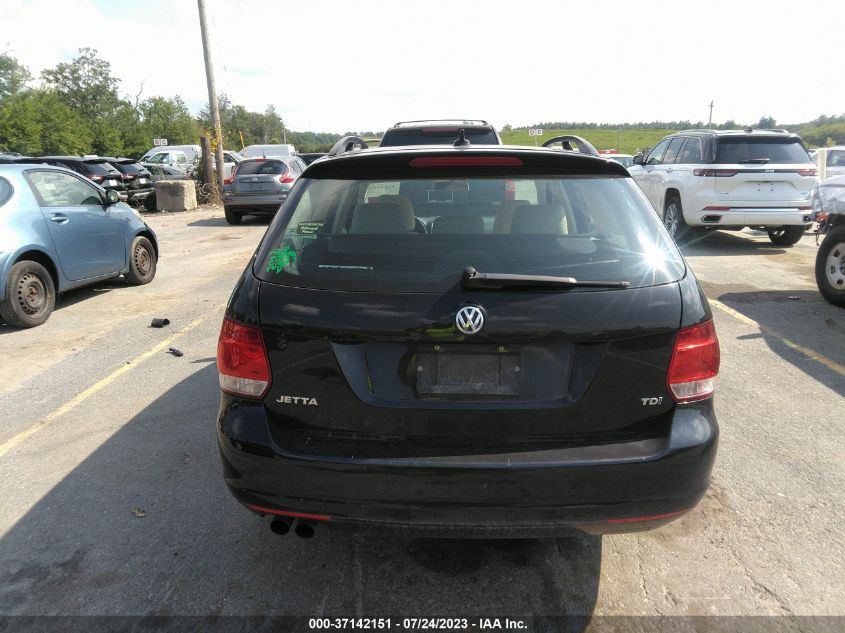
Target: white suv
<point>730,179</point>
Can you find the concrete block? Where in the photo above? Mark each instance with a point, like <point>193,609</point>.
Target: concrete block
<point>176,195</point>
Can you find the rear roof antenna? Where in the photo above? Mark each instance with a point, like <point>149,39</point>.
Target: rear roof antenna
<point>462,140</point>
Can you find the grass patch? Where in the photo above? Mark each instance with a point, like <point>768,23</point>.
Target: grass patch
<point>627,141</point>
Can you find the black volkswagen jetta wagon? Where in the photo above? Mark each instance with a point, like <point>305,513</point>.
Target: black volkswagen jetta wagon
<point>467,341</point>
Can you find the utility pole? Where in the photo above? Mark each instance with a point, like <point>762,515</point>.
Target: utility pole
<point>710,120</point>
<point>212,95</point>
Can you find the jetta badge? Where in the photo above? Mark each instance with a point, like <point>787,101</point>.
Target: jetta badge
<point>469,320</point>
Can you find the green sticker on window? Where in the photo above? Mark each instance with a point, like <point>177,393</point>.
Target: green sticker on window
<point>281,258</point>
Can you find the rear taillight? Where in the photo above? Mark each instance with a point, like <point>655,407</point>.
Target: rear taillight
<point>719,173</point>
<point>97,177</point>
<point>242,362</point>
<point>231,178</point>
<point>128,177</point>
<point>695,363</point>
<point>806,172</point>
<point>287,178</point>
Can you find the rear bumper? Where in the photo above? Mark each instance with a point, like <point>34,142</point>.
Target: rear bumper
<point>596,489</point>
<point>254,203</point>
<point>706,208</point>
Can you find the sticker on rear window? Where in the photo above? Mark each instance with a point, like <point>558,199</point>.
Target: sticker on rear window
<point>308,228</point>
<point>281,258</point>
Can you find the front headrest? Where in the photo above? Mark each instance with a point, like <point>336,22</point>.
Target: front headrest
<point>382,218</point>
<point>460,224</point>
<point>539,219</point>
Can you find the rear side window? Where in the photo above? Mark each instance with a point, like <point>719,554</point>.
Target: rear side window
<point>763,150</point>
<point>673,149</point>
<point>437,136</point>
<point>418,235</point>
<point>261,167</point>
<point>57,189</point>
<point>5,191</point>
<point>691,152</point>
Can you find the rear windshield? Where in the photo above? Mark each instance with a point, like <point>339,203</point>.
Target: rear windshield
<point>763,150</point>
<point>259,167</point>
<point>102,169</point>
<point>129,168</point>
<point>415,235</point>
<point>437,136</point>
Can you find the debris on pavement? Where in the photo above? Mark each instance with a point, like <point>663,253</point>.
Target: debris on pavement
<point>159,322</point>
<point>138,513</point>
<point>174,351</point>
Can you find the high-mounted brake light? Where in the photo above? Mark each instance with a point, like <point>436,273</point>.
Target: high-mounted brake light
<point>466,161</point>
<point>242,362</point>
<point>719,173</point>
<point>695,363</point>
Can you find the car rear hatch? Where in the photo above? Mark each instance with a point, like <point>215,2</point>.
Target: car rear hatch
<point>260,177</point>
<point>104,174</point>
<point>762,170</point>
<point>361,317</point>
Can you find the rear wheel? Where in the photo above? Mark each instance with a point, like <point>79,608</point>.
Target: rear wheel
<point>142,262</point>
<point>30,295</point>
<point>231,216</point>
<point>673,219</point>
<point>786,235</point>
<point>830,267</point>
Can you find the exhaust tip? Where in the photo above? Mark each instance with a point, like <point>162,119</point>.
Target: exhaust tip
<point>304,530</point>
<point>280,525</point>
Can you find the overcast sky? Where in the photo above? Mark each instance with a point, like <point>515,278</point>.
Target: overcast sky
<point>343,65</point>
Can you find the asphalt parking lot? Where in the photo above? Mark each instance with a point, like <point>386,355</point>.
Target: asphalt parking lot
<point>113,502</point>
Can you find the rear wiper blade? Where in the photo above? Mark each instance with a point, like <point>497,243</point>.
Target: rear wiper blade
<point>760,161</point>
<point>474,279</point>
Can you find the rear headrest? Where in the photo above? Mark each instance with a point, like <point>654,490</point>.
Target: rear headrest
<point>401,200</point>
<point>504,216</point>
<point>382,218</point>
<point>461,224</point>
<point>539,219</point>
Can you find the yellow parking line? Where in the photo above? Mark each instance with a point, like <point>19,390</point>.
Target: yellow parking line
<point>71,404</point>
<point>806,351</point>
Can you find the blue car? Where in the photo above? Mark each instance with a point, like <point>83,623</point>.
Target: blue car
<point>60,231</point>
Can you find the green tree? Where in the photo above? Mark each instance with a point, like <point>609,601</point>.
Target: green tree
<point>39,122</point>
<point>766,123</point>
<point>13,76</point>
<point>170,119</point>
<point>88,87</point>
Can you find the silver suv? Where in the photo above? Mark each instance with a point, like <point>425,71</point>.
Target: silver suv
<point>730,179</point>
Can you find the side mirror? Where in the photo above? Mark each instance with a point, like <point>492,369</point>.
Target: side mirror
<point>112,197</point>
<point>639,159</point>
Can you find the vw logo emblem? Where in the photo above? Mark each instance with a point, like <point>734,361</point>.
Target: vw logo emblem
<point>469,320</point>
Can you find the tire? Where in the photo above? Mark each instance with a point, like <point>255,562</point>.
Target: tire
<point>30,295</point>
<point>142,262</point>
<point>830,267</point>
<point>786,235</point>
<point>673,219</point>
<point>231,216</point>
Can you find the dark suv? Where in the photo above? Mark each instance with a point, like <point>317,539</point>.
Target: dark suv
<point>439,132</point>
<point>467,341</point>
<point>96,169</point>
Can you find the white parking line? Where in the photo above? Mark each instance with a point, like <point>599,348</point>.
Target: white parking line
<point>74,402</point>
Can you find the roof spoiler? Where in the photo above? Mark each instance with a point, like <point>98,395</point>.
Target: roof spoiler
<point>583,145</point>
<point>348,144</point>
